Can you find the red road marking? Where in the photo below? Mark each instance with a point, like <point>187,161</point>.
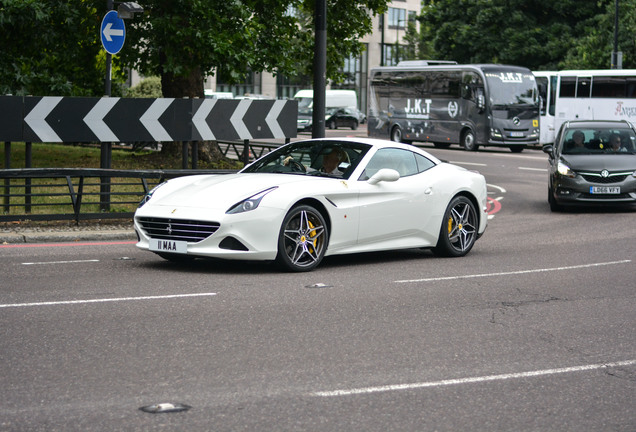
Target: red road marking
<point>26,245</point>
<point>493,206</point>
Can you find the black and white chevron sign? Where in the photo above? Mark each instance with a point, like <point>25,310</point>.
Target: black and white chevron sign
<point>72,119</point>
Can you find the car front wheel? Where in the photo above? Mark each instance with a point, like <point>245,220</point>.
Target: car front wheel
<point>468,141</point>
<point>554,207</point>
<point>302,241</point>
<point>459,228</point>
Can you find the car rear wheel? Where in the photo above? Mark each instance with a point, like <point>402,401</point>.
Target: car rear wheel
<point>332,124</point>
<point>459,228</point>
<point>302,241</point>
<point>354,125</point>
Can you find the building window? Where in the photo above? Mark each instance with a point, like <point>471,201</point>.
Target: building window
<point>393,54</point>
<point>356,75</point>
<point>287,87</point>
<point>251,84</point>
<point>397,18</point>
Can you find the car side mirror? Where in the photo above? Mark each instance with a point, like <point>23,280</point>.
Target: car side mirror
<point>385,174</point>
<point>549,149</point>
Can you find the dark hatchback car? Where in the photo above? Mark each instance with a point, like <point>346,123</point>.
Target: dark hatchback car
<point>347,117</point>
<point>592,163</point>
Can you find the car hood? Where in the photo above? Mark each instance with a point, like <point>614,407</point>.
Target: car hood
<point>223,191</point>
<point>599,162</point>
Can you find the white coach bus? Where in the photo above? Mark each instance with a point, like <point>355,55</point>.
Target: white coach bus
<point>473,105</point>
<point>585,95</point>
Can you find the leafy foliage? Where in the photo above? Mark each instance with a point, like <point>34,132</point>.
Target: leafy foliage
<point>538,34</point>
<point>237,37</point>
<point>53,47</point>
<point>50,48</point>
<point>148,88</point>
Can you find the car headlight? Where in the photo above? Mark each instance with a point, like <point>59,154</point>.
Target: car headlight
<point>250,203</point>
<point>565,170</point>
<point>147,197</point>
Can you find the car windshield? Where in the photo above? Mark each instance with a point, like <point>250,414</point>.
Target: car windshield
<point>598,140</point>
<point>316,158</point>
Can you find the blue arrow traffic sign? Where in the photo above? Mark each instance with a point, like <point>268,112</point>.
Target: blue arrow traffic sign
<point>113,32</point>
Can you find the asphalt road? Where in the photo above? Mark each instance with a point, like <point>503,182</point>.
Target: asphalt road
<point>532,331</point>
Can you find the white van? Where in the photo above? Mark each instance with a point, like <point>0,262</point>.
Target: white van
<point>333,99</point>
<point>210,94</point>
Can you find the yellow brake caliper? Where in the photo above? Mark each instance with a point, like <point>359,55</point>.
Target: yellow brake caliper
<point>450,225</point>
<point>312,234</point>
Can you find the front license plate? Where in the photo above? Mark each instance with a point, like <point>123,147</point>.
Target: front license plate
<point>516,134</point>
<point>607,190</point>
<point>173,246</point>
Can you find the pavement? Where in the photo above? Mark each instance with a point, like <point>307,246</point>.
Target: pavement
<point>66,231</point>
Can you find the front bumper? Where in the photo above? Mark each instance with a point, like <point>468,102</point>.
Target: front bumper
<point>580,191</point>
<point>255,232</point>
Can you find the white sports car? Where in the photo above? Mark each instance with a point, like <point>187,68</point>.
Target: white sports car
<point>313,198</point>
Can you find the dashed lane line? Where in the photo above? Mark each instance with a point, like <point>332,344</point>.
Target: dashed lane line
<point>472,380</point>
<point>518,272</point>
<point>104,300</point>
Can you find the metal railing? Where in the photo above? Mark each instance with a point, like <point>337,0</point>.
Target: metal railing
<point>77,193</point>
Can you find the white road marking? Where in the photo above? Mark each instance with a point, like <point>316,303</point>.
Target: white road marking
<point>533,169</point>
<point>105,300</point>
<point>502,190</point>
<point>60,262</point>
<point>471,380</point>
<point>541,270</point>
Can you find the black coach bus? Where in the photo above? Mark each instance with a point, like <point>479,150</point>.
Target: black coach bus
<point>473,105</point>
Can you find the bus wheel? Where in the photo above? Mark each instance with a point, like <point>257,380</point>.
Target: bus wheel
<point>396,134</point>
<point>517,149</point>
<point>468,140</point>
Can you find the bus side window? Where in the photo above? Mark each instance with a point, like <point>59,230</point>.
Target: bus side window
<point>568,86</point>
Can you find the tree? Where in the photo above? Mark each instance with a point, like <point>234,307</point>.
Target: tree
<point>537,34</point>
<point>50,48</point>
<point>53,47</point>
<point>184,40</point>
<point>593,50</point>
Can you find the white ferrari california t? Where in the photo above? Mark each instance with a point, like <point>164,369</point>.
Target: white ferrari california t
<point>309,199</point>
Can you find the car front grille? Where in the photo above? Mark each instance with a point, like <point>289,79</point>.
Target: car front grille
<point>178,229</point>
<point>596,178</point>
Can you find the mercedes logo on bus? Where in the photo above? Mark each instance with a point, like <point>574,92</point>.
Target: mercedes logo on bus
<point>516,121</point>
